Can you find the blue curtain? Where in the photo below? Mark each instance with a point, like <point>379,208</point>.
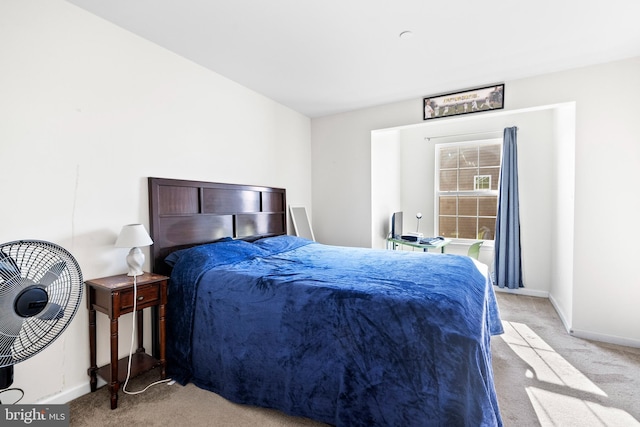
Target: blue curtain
<point>507,270</point>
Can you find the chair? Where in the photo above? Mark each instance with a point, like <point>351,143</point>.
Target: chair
<point>474,250</point>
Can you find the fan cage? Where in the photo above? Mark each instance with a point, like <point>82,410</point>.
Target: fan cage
<point>20,337</point>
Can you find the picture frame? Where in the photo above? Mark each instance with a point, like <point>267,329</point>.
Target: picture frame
<point>486,98</point>
<point>301,224</point>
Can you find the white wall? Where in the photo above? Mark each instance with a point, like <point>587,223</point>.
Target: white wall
<point>341,168</point>
<point>561,245</point>
<point>89,111</point>
<point>386,169</point>
<point>605,288</point>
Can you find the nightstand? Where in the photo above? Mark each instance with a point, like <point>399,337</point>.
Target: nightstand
<point>113,296</point>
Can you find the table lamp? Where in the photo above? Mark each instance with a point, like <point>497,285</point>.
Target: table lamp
<point>134,236</point>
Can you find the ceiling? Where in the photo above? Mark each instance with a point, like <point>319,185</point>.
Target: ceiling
<point>331,56</point>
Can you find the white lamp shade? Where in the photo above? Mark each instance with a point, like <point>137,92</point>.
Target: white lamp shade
<point>133,236</point>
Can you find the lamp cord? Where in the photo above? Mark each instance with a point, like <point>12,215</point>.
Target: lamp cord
<point>133,334</point>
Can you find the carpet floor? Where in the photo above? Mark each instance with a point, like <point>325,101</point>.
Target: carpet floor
<point>544,377</point>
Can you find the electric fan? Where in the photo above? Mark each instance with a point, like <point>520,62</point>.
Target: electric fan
<point>40,291</point>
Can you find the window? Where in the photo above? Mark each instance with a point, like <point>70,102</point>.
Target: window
<point>482,182</point>
<point>467,175</point>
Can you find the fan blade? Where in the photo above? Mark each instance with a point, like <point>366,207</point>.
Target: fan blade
<point>52,312</point>
<point>6,360</point>
<point>8,267</point>
<point>53,273</point>
<point>8,335</point>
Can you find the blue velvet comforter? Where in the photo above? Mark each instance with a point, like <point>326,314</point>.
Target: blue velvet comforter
<point>347,336</point>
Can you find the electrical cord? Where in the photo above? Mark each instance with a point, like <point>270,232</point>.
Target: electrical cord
<point>12,389</point>
<point>133,334</point>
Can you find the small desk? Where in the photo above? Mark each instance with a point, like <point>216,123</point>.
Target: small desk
<point>425,247</point>
<point>113,296</point>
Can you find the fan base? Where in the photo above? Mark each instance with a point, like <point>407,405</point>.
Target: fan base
<point>6,377</point>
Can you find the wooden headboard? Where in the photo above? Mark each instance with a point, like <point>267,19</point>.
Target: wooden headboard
<point>188,213</point>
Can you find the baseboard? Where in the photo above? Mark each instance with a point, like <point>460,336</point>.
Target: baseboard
<point>68,395</point>
<point>563,319</point>
<point>593,336</point>
<point>611,339</point>
<point>523,291</point>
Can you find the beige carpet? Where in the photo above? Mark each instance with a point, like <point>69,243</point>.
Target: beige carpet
<point>543,377</point>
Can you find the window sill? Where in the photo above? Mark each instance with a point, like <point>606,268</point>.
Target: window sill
<point>466,242</point>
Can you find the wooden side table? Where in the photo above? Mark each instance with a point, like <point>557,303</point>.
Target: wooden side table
<point>113,296</point>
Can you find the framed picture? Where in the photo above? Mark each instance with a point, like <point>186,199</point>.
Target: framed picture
<point>469,101</point>
<point>301,224</point>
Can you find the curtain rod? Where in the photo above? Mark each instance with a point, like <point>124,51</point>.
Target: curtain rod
<point>429,138</point>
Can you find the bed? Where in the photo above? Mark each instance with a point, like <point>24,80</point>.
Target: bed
<point>346,336</point>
